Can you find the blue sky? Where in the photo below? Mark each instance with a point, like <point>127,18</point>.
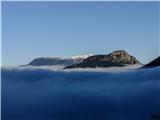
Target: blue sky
<point>64,29</point>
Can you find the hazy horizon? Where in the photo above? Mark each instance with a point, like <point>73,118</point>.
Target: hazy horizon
<point>65,29</point>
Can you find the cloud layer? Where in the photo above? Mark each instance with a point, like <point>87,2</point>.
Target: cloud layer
<point>41,94</point>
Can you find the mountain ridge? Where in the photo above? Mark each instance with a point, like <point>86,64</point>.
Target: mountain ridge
<point>48,61</point>
<point>117,58</point>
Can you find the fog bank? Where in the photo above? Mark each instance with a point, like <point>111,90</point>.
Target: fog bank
<point>41,94</point>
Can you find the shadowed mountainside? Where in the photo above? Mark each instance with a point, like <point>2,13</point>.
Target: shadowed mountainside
<point>154,63</point>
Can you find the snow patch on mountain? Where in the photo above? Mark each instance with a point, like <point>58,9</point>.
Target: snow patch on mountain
<point>80,58</point>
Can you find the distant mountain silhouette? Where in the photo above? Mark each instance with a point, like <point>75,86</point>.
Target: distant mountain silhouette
<point>118,58</point>
<point>48,61</point>
<point>154,63</point>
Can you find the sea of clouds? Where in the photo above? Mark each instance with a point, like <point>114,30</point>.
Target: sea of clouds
<point>44,94</point>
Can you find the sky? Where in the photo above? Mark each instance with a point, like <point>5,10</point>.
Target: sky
<point>65,29</point>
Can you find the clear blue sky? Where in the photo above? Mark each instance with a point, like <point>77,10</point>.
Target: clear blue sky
<point>64,29</point>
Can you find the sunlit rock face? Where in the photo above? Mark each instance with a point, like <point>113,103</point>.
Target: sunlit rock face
<point>122,57</point>
<point>116,58</point>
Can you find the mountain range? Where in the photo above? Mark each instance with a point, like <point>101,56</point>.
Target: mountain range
<point>117,58</point>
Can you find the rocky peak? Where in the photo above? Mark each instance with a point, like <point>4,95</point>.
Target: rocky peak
<point>118,56</point>
<point>121,56</point>
<point>119,53</point>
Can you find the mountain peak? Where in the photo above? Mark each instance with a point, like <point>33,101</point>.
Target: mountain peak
<point>119,52</point>
<point>123,57</point>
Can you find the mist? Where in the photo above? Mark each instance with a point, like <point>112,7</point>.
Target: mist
<point>44,94</point>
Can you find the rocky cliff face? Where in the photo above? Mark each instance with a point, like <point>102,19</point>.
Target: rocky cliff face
<point>116,58</point>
